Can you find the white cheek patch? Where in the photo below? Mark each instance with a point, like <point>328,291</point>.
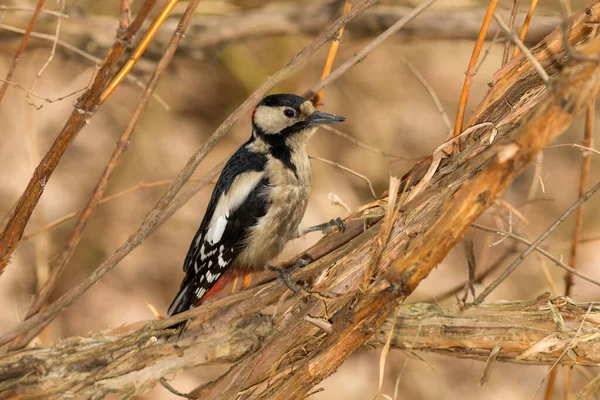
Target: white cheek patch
<point>271,119</point>
<point>215,233</point>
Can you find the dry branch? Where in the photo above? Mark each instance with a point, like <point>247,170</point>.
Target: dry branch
<point>84,110</point>
<point>154,217</point>
<point>114,357</point>
<point>527,116</point>
<point>209,31</point>
<point>429,227</point>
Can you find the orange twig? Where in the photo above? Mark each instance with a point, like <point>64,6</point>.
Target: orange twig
<point>464,95</point>
<point>526,24</point>
<point>84,110</point>
<point>333,48</point>
<point>583,178</point>
<point>40,300</point>
<point>137,54</point>
<point>15,61</point>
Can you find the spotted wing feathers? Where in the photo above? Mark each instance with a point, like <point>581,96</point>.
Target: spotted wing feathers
<point>240,198</point>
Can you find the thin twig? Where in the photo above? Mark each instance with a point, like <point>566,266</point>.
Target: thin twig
<point>365,51</point>
<point>526,23</point>
<point>139,50</point>
<point>84,110</point>
<point>540,250</point>
<point>50,58</point>
<point>333,48</point>
<point>21,49</point>
<point>464,95</point>
<point>154,217</point>
<point>46,99</point>
<point>364,145</point>
<point>350,171</point>
<point>583,148</point>
<point>430,90</point>
<point>478,279</point>
<point>122,145</point>
<point>511,24</point>
<point>536,243</point>
<point>583,179</point>
<point>124,15</point>
<point>515,39</point>
<point>135,80</point>
<point>106,199</point>
<point>17,8</point>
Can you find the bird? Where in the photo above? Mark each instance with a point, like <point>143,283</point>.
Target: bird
<point>258,202</point>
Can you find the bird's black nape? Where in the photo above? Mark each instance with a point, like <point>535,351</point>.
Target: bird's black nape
<point>283,100</point>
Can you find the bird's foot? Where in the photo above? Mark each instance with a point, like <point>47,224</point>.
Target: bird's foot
<point>329,227</point>
<point>283,275</point>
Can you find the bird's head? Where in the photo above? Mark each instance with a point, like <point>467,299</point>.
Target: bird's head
<point>288,114</point>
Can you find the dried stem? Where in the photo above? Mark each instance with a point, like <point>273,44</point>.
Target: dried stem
<point>84,109</point>
<point>44,317</point>
<point>122,145</point>
<point>511,24</point>
<point>583,179</point>
<point>139,50</point>
<point>525,26</point>
<point>536,243</point>
<point>20,50</point>
<point>464,95</point>
<point>333,48</point>
<point>365,51</point>
<point>350,171</point>
<point>52,370</point>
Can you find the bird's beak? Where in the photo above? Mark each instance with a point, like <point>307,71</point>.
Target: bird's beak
<point>321,118</point>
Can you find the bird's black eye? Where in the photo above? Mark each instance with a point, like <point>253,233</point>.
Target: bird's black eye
<point>288,112</point>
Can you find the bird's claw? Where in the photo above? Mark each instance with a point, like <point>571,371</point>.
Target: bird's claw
<point>283,275</point>
<point>336,223</point>
<point>329,227</point>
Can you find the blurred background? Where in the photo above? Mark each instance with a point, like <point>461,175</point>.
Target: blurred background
<point>386,107</point>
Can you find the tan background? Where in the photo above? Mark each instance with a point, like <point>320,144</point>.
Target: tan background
<point>385,106</point>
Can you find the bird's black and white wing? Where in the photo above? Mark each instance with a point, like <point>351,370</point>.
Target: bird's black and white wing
<point>239,199</point>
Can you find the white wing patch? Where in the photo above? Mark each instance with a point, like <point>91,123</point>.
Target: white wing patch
<point>215,233</point>
<point>230,201</point>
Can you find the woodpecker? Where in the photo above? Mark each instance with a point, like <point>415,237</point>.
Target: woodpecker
<point>258,201</point>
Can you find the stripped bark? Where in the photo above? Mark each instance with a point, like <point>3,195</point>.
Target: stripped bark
<point>527,116</point>
<point>124,357</point>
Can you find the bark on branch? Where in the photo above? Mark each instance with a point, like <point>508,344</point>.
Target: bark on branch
<point>115,359</point>
<point>527,115</point>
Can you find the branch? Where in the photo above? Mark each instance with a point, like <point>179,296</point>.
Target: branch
<point>428,227</point>
<point>114,357</point>
<point>84,110</point>
<point>209,31</point>
<point>44,317</point>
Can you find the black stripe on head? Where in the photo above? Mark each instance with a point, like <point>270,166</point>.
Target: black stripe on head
<point>281,151</point>
<point>283,100</point>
